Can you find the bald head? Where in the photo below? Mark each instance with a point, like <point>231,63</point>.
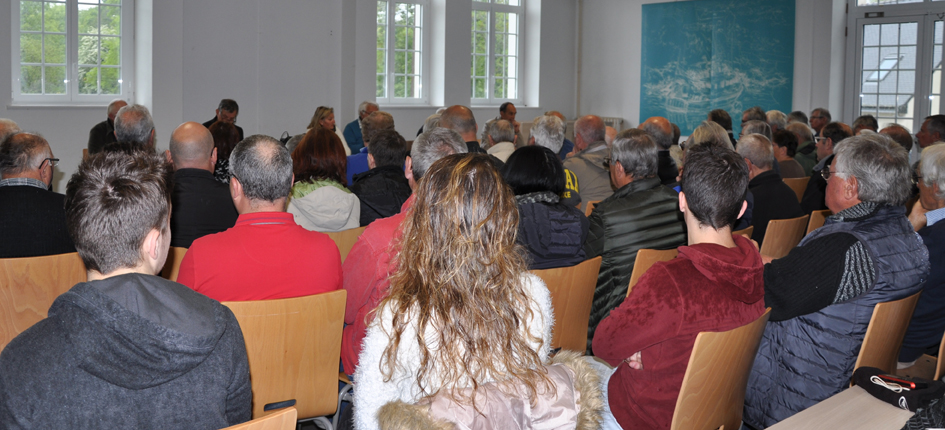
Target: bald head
<point>587,130</point>
<point>7,128</point>
<point>557,114</point>
<point>460,119</point>
<point>114,107</point>
<point>660,129</point>
<point>192,147</point>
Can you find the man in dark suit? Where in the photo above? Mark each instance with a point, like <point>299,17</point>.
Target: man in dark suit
<point>773,198</point>
<point>33,221</point>
<point>201,205</point>
<point>227,111</point>
<point>104,132</point>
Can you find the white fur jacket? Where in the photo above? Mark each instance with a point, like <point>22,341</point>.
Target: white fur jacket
<point>372,392</point>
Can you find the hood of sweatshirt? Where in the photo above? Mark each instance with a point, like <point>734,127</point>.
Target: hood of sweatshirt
<point>326,209</point>
<point>738,271</point>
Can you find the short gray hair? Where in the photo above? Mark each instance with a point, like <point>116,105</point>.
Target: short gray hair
<point>501,131</point>
<point>709,131</point>
<point>263,166</point>
<point>548,131</point>
<point>757,127</point>
<point>932,168</point>
<point>636,152</point>
<point>777,119</point>
<point>21,152</point>
<point>7,128</point>
<point>662,139</point>
<point>432,145</point>
<point>757,149</point>
<point>880,166</point>
<point>133,124</point>
<point>432,121</point>
<point>802,131</point>
<point>362,108</point>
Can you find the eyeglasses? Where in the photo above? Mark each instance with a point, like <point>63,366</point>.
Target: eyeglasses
<point>607,161</point>
<point>819,139</point>
<point>826,173</point>
<point>53,162</point>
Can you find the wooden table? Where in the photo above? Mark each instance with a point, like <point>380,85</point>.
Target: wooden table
<point>852,408</point>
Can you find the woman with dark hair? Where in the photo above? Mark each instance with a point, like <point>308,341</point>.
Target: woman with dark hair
<point>552,233</point>
<point>463,312</point>
<point>225,138</point>
<point>320,201</point>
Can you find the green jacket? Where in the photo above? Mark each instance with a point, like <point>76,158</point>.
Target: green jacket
<point>641,214</point>
<point>807,160</point>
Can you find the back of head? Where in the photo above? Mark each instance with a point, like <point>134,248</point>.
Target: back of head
<point>757,149</point>
<point>229,105</point>
<point>722,118</point>
<point>320,155</point>
<point>432,145</point>
<point>374,123</point>
<point>797,116</point>
<point>459,118</point>
<point>133,124</point>
<point>388,149</point>
<point>263,166</point>
<point>677,133</point>
<point>548,131</point>
<point>880,166</point>
<point>715,183</point>
<point>756,127</point>
<point>709,132</point>
<point>755,113</point>
<point>932,168</point>
<point>432,121</point>
<point>777,120</point>
<point>836,131</point>
<point>534,169</point>
<point>112,202</point>
<point>801,131</point>
<point>900,135</point>
<point>636,152</point>
<point>22,152</point>
<point>786,139</point>
<point>501,131</point>
<point>865,122</point>
<point>660,130</point>
<point>191,145</point>
<point>590,128</point>
<point>7,127</point>
<point>321,113</point>
<point>225,137</point>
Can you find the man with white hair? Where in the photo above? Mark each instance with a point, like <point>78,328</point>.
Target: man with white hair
<point>773,198</point>
<point>352,131</point>
<point>500,139</point>
<point>134,125</point>
<point>548,131</point>
<point>568,145</point>
<point>777,120</point>
<point>104,132</point>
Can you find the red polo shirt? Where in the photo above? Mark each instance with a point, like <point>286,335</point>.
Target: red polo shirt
<point>266,255</point>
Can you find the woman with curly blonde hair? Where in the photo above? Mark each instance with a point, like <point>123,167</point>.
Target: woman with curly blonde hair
<point>462,309</point>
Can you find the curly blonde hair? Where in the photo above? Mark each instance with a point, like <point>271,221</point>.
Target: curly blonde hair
<point>459,271</point>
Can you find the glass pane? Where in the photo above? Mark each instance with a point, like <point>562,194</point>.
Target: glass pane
<point>884,2</point>
<point>500,66</point>
<point>513,23</point>
<point>382,13</point>
<point>870,35</point>
<point>111,80</point>
<point>399,83</point>
<point>411,63</point>
<point>111,51</point>
<point>908,33</point>
<point>870,58</point>
<point>31,48</point>
<point>88,80</point>
<point>381,37</point>
<point>381,86</point>
<point>400,62</point>
<point>481,43</point>
<point>511,44</point>
<point>31,79</point>
<point>88,19</point>
<point>481,1</point>
<point>410,90</point>
<point>88,50</point>
<point>906,82</point>
<point>888,71</point>
<point>409,38</point>
<point>400,38</point>
<point>889,34</point>
<point>512,69</point>
<point>31,16</point>
<point>55,80</point>
<point>54,48</point>
<point>511,91</point>
<point>907,57</point>
<point>381,61</point>
<point>479,66</point>
<point>118,2</point>
<point>479,88</point>
<point>499,90</point>
<point>111,20</point>
<point>935,96</point>
<point>501,22</point>
<point>405,14</point>
<point>54,19</point>
<point>480,20</point>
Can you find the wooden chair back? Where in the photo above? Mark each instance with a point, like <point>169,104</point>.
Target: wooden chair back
<point>283,419</point>
<point>28,287</point>
<point>783,235</point>
<point>172,266</point>
<point>345,240</point>
<point>746,231</point>
<point>590,207</point>
<point>817,219</point>
<point>293,347</point>
<point>572,293</point>
<point>713,389</point>
<point>884,334</point>
<point>645,259</point>
<point>798,185</point>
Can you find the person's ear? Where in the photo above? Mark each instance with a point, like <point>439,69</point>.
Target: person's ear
<point>370,161</point>
<point>236,189</point>
<point>683,205</point>
<point>152,246</point>
<point>851,188</point>
<point>408,168</point>
<point>744,208</point>
<point>167,156</point>
<point>531,140</point>
<point>213,158</point>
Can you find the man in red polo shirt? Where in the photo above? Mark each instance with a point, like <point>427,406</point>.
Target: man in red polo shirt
<point>266,255</point>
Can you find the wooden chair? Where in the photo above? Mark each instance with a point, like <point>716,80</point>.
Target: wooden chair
<point>798,185</point>
<point>28,287</point>
<point>783,235</point>
<point>884,334</point>
<point>572,293</point>
<point>283,419</point>
<point>85,154</point>
<point>172,266</point>
<point>644,260</point>
<point>345,240</point>
<point>926,366</point>
<point>713,389</point>
<point>746,231</point>
<point>590,207</point>
<point>293,347</point>
<point>817,219</point>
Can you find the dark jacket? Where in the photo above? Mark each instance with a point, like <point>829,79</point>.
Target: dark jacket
<point>666,168</point>
<point>102,134</point>
<point>928,321</point>
<point>641,214</point>
<point>382,191</point>
<point>553,233</point>
<point>131,351</point>
<point>773,200</point>
<point>814,198</point>
<point>200,205</point>
<point>806,359</point>
<point>32,222</point>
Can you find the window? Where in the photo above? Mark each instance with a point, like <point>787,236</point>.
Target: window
<point>401,54</point>
<point>496,50</point>
<point>72,51</point>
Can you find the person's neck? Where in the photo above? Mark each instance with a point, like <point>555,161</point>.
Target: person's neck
<point>257,207</point>
<point>706,234</point>
<point>469,137</point>
<point>198,166</point>
<point>94,275</point>
<point>783,157</point>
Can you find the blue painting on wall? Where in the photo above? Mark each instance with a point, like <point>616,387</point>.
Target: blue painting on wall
<point>716,54</point>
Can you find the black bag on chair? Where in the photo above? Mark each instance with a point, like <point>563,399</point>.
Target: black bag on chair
<point>920,397</point>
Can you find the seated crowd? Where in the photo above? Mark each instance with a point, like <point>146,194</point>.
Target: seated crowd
<point>443,321</point>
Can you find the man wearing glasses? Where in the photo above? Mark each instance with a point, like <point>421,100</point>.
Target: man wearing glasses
<point>819,118</point>
<point>33,221</point>
<point>831,135</point>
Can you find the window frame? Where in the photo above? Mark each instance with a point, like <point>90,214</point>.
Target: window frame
<point>491,7</point>
<point>425,55</point>
<point>72,96</point>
